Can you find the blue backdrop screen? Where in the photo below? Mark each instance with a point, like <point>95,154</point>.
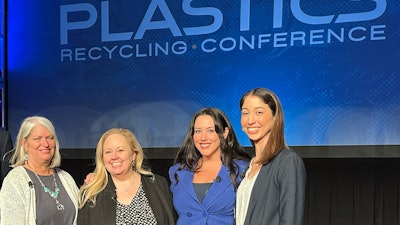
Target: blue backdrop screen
<point>149,65</point>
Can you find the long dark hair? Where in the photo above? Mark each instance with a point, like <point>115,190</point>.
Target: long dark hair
<point>231,150</point>
<point>276,141</point>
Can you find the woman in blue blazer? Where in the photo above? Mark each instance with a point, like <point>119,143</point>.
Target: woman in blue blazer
<point>273,190</point>
<point>207,171</point>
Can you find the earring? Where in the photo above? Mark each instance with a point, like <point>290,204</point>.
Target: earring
<point>26,158</point>
<point>134,165</point>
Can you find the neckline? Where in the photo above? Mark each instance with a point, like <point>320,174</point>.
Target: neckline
<point>203,184</point>
<point>53,194</point>
<point>29,167</point>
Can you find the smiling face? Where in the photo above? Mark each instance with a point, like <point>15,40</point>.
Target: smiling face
<point>117,155</point>
<point>256,119</point>
<point>206,138</point>
<point>39,145</point>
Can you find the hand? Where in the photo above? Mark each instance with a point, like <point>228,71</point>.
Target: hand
<point>89,178</point>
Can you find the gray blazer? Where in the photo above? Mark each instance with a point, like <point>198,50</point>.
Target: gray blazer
<point>278,194</point>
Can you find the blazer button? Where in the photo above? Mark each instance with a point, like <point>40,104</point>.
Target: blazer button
<point>204,214</point>
<point>189,214</point>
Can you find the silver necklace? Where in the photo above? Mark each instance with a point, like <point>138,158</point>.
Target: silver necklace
<point>53,194</point>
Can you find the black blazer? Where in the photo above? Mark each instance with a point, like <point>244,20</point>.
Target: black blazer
<point>278,194</point>
<point>157,192</point>
<point>6,151</point>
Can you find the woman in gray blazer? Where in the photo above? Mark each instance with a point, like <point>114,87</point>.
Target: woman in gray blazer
<point>273,190</point>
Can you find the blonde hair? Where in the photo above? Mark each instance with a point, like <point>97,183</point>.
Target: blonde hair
<point>24,131</point>
<point>88,192</point>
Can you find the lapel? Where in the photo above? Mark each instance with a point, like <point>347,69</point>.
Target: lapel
<point>217,188</point>
<point>109,204</point>
<point>186,180</point>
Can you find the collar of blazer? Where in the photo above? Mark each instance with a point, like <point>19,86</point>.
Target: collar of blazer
<point>220,184</point>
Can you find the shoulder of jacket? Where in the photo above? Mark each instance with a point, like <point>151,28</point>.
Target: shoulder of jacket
<point>64,174</point>
<point>152,178</point>
<point>241,162</point>
<point>173,168</point>
<point>17,172</point>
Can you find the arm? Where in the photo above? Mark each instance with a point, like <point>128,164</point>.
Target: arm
<point>15,201</point>
<point>171,173</point>
<point>292,178</point>
<point>83,215</point>
<point>242,168</point>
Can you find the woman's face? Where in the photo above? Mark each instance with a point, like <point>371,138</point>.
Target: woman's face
<point>256,119</point>
<point>205,137</point>
<point>39,145</point>
<point>117,155</point>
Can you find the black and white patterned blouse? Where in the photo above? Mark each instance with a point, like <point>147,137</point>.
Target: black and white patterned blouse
<point>138,212</point>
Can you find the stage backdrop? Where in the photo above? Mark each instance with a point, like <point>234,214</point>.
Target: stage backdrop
<point>149,65</point>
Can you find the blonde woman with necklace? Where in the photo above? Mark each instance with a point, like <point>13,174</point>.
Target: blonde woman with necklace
<point>121,190</point>
<point>36,191</point>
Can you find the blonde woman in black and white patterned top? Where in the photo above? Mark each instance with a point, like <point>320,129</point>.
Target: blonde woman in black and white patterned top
<point>121,191</point>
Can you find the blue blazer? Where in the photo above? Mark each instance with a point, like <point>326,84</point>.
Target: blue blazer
<point>218,205</point>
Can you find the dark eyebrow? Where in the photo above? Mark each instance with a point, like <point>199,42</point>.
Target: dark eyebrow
<point>206,128</point>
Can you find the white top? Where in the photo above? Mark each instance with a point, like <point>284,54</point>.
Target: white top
<point>243,196</point>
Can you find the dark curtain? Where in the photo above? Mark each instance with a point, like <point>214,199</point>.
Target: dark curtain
<point>353,192</point>
<point>6,147</point>
<point>340,191</point>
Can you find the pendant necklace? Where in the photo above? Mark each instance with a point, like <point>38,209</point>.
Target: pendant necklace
<point>53,194</point>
